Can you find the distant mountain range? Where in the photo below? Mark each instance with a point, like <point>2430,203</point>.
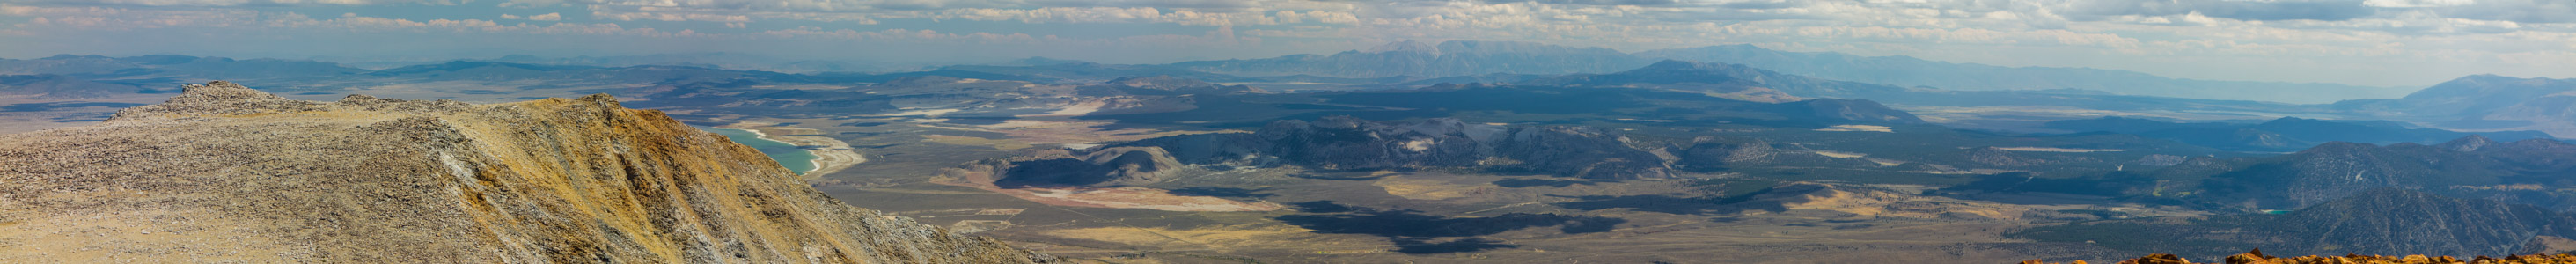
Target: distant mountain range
<point>738,61</point>
<point>2476,103</point>
<point>1748,83</point>
<point>1910,71</point>
<point>1451,61</point>
<point>2284,134</point>
<point>172,66</point>
<point>1735,81</point>
<point>57,86</point>
<point>1478,58</point>
<point>1420,60</point>
<point>2483,102</point>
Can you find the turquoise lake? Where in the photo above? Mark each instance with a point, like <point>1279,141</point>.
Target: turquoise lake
<point>788,155</point>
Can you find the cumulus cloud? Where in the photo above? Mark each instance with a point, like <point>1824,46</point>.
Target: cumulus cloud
<point>2520,11</point>
<point>2329,10</point>
<point>544,17</point>
<point>254,2</point>
<point>2416,3</point>
<point>92,19</point>
<point>547,17</point>
<point>1598,2</point>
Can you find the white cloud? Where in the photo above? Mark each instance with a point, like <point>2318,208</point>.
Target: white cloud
<point>87,19</point>
<point>544,17</point>
<point>279,2</point>
<point>668,16</point>
<point>2417,3</point>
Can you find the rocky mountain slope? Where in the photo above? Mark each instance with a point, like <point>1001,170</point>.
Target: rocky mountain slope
<point>2470,165</point>
<point>2389,221</point>
<point>2257,257</point>
<point>223,173</point>
<point>2376,221</point>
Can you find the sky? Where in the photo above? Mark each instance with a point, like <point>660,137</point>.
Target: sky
<point>2360,42</point>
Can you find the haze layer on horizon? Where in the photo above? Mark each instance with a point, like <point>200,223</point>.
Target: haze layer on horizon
<point>2365,42</point>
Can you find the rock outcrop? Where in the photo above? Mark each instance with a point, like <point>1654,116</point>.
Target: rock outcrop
<point>2257,257</point>
<point>224,173</point>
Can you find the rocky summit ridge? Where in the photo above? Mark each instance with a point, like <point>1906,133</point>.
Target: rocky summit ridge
<point>225,173</point>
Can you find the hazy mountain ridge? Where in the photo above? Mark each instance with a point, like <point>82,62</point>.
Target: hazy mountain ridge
<point>56,86</point>
<point>1480,58</point>
<point>708,60</point>
<point>2279,135</point>
<point>94,76</point>
<point>1910,71</point>
<point>1734,81</point>
<point>1742,82</point>
<point>172,66</point>
<point>1448,58</point>
<point>2483,102</point>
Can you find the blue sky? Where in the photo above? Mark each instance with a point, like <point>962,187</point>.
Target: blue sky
<point>2366,42</point>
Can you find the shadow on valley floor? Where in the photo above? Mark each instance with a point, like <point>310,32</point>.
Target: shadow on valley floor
<point>1669,204</point>
<point>1413,230</point>
<point>1722,204</point>
<point>1321,207</point>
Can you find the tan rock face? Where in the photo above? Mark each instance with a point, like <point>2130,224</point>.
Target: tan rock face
<point>226,173</point>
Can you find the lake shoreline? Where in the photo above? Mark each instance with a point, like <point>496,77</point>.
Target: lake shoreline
<point>830,155</point>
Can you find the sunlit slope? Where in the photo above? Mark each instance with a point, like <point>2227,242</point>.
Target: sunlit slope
<point>225,173</point>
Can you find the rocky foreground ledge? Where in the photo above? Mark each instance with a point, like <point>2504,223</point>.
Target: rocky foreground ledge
<point>224,173</point>
<point>2257,257</point>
